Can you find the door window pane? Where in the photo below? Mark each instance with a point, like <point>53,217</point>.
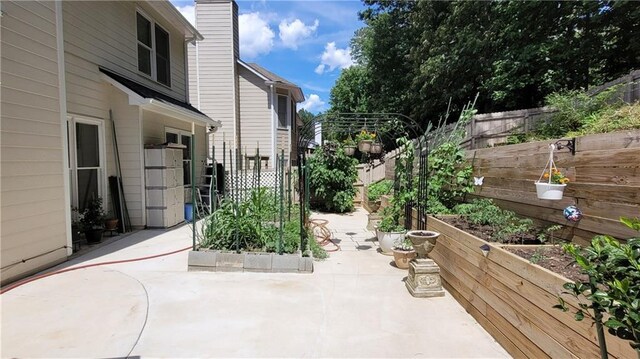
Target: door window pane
<point>171,137</point>
<point>87,150</point>
<point>87,186</point>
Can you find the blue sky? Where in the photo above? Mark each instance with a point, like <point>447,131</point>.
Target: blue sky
<point>306,42</point>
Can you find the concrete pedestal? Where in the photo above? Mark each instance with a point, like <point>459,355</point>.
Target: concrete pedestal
<point>424,279</point>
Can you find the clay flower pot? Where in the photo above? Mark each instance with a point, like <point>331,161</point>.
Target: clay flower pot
<point>423,241</point>
<point>402,258</point>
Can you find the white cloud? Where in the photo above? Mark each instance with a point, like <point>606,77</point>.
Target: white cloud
<point>312,103</point>
<point>333,58</point>
<point>291,33</point>
<point>189,12</point>
<point>256,37</point>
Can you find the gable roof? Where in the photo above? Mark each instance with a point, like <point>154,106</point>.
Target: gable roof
<point>149,96</point>
<point>175,17</point>
<point>278,80</point>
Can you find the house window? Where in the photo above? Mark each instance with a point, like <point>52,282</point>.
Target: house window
<point>153,50</point>
<point>283,118</point>
<point>173,135</point>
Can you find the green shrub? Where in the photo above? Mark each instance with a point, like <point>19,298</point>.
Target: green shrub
<point>449,177</point>
<point>331,178</point>
<point>613,285</point>
<point>378,189</point>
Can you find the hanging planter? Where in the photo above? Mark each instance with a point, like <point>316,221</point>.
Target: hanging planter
<point>365,146</point>
<point>376,147</point>
<point>349,150</point>
<point>555,182</point>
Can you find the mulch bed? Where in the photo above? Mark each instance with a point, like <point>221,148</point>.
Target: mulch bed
<point>552,258</point>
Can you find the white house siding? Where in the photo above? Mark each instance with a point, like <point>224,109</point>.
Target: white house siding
<point>283,143</point>
<point>255,113</point>
<point>32,210</point>
<point>129,134</point>
<point>98,33</point>
<point>216,65</point>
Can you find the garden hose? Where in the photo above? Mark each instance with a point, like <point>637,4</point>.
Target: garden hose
<point>44,275</point>
<point>323,234</point>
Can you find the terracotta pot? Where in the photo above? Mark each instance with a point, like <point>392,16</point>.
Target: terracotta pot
<point>365,146</point>
<point>423,241</point>
<point>402,258</point>
<point>111,224</point>
<point>349,150</point>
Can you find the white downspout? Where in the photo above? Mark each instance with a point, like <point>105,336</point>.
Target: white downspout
<point>64,135</point>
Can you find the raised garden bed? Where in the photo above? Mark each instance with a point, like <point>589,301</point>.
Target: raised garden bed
<point>220,261</point>
<point>513,299</point>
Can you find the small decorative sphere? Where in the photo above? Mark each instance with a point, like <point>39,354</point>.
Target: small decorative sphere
<point>572,213</point>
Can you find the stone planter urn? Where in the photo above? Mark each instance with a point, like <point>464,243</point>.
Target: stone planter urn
<point>424,280</point>
<point>423,241</point>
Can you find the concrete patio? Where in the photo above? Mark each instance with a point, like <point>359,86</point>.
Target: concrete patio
<point>355,304</point>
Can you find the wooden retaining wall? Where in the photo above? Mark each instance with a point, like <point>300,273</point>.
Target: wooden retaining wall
<point>604,174</point>
<point>513,299</point>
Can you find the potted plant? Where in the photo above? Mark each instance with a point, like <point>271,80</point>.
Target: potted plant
<point>91,220</point>
<point>403,253</point>
<point>389,231</point>
<point>365,139</point>
<point>554,185</point>
<point>349,146</point>
<point>375,191</point>
<point>111,223</point>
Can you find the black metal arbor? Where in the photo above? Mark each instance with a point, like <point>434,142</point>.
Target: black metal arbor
<point>388,127</point>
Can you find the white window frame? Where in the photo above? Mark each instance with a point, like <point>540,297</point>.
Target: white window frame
<point>287,112</point>
<point>73,159</point>
<point>181,133</point>
<point>154,68</point>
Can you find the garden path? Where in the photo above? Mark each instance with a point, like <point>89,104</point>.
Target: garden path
<point>354,305</point>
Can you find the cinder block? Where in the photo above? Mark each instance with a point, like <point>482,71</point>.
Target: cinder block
<point>229,262</point>
<point>202,258</point>
<point>201,269</point>
<point>305,264</point>
<point>285,262</point>
<point>257,262</point>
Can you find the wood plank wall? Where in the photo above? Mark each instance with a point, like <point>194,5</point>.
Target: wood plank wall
<point>513,299</point>
<point>604,174</point>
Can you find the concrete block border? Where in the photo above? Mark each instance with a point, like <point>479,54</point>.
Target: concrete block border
<point>219,261</point>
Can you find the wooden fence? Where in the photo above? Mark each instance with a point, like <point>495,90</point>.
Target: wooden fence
<point>604,174</point>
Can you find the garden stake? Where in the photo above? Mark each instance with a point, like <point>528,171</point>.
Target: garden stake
<point>280,249</point>
<point>193,185</point>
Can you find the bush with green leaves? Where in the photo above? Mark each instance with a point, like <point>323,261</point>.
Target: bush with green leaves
<point>613,285</point>
<point>449,177</point>
<point>378,189</point>
<point>331,178</point>
<point>503,222</point>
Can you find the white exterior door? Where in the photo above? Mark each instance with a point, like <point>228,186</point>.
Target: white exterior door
<point>86,160</point>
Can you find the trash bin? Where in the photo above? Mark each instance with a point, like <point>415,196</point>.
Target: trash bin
<point>188,212</point>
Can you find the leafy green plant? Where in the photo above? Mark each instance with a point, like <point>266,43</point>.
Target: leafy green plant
<point>378,189</point>
<point>403,244</point>
<point>537,256</point>
<point>91,217</point>
<point>331,178</point>
<point>504,223</point>
<point>449,177</point>
<point>613,286</point>
<point>576,109</point>
<point>389,223</point>
<point>547,234</point>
